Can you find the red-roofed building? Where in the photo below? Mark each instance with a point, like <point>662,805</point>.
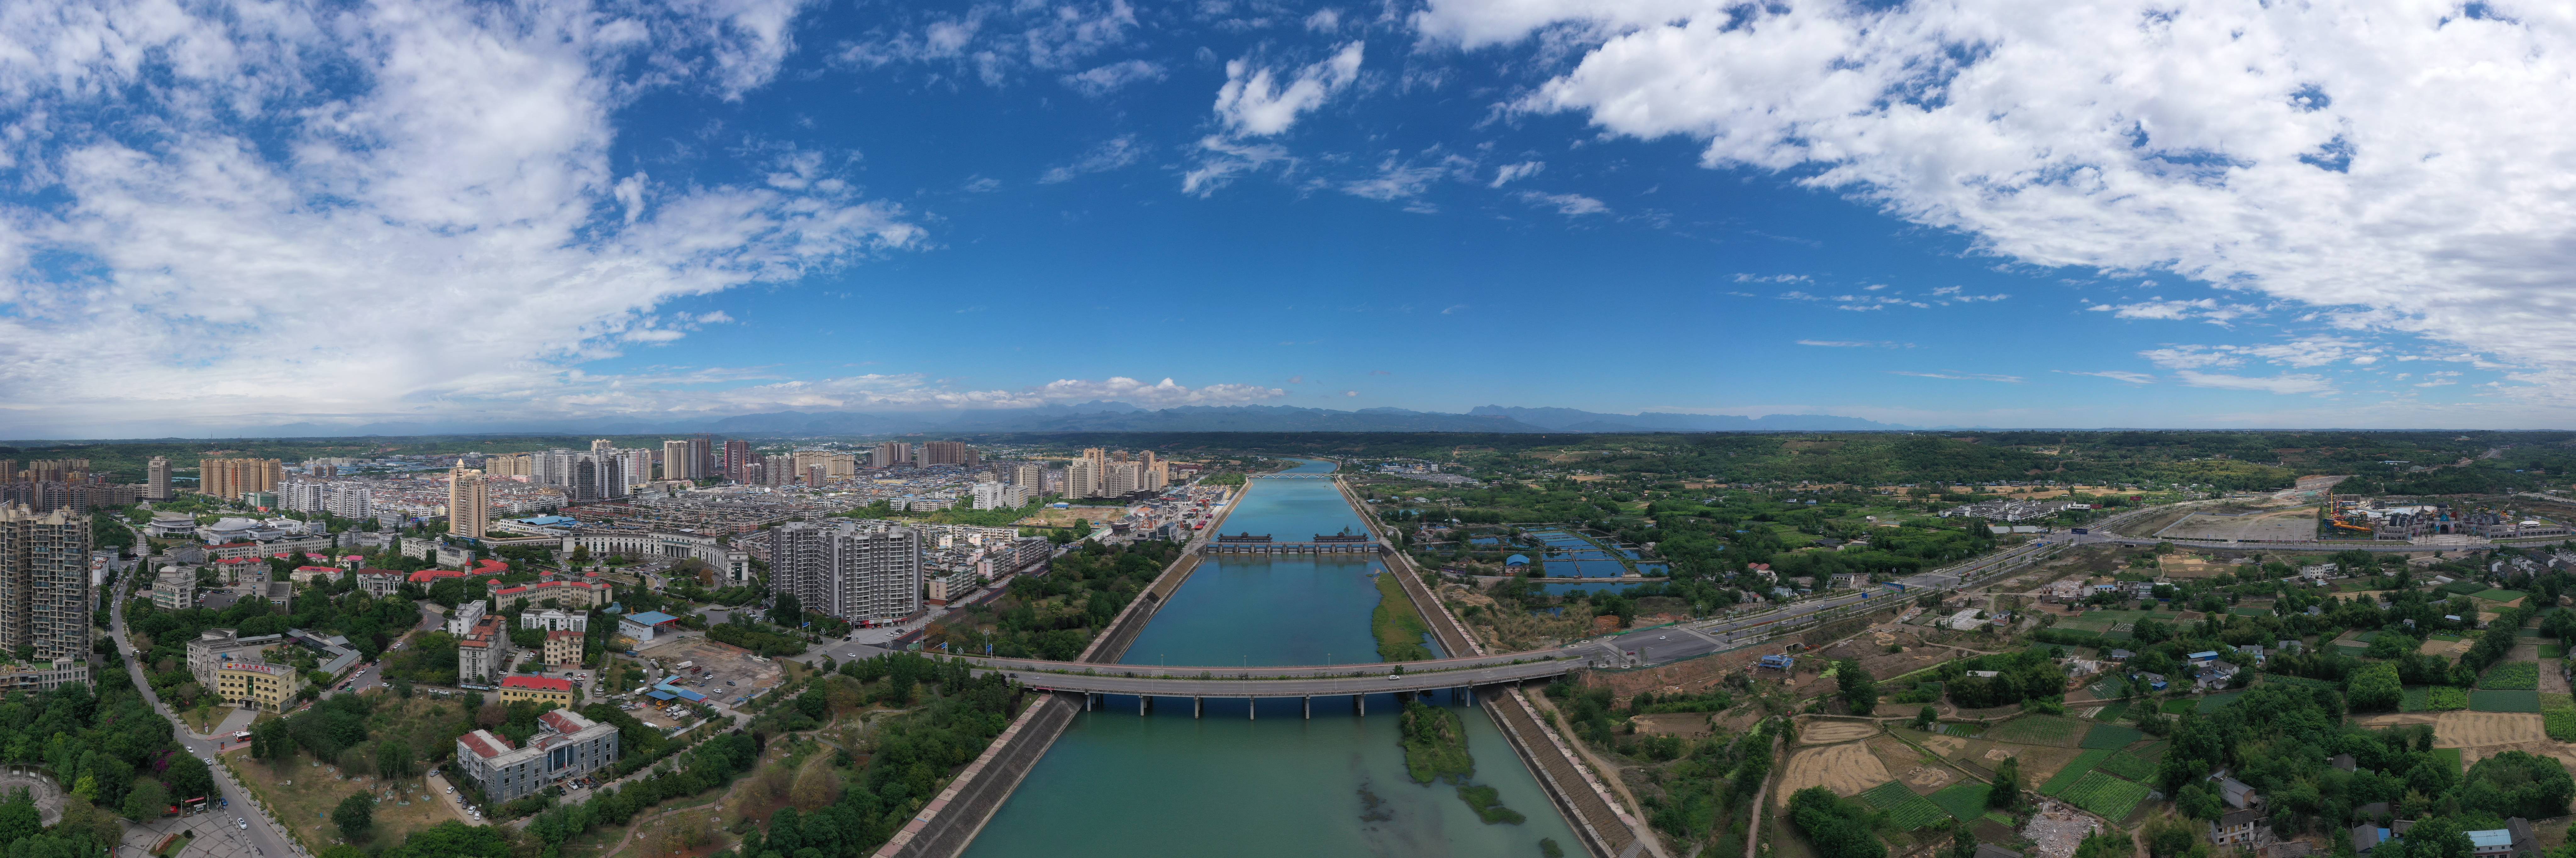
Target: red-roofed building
<point>588,592</point>
<point>484,651</point>
<point>380,582</point>
<point>537,689</point>
<point>308,574</point>
<point>563,648</point>
<point>566,746</point>
<point>483,744</point>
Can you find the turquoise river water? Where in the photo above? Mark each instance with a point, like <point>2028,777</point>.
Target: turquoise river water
<point>1119,785</point>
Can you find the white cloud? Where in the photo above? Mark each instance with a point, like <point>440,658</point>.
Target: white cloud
<point>1771,278</point>
<point>1110,78</point>
<point>1962,376</point>
<point>997,42</point>
<point>396,208</point>
<point>2282,384</point>
<point>2115,375</point>
<point>1571,205</point>
<point>1222,159</point>
<point>2204,309</point>
<point>1397,179</point>
<point>2392,161</point>
<point>1510,173</point>
<point>1324,21</point>
<point>1111,154</point>
<point>2303,353</point>
<point>1254,102</point>
<point>917,391</point>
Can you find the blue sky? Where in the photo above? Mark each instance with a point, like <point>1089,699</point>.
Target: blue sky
<point>1955,215</point>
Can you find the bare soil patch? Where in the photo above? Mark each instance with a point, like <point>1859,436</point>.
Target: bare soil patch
<point>2470,729</point>
<point>1947,746</point>
<point>1847,769</point>
<point>1821,731</point>
<point>1688,725</point>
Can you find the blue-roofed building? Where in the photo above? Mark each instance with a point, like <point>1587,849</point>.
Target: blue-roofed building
<point>682,693</point>
<point>1516,560</point>
<point>642,627</point>
<point>2204,657</point>
<point>659,694</point>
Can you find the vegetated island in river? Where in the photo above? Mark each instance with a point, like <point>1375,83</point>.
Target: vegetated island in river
<point>1398,625</point>
<point>1435,748</point>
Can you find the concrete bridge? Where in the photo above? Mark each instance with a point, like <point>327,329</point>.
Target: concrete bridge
<point>1245,543</point>
<point>1352,681</point>
<point>1290,476</point>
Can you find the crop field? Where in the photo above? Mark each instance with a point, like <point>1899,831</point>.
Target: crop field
<point>2035,730</point>
<point>2180,707</point>
<point>2452,755</point>
<point>2498,595</point>
<point>2129,766</point>
<point>2111,737</point>
<point>2461,588</point>
<point>2504,701</point>
<point>2553,651</point>
<point>2075,770</point>
<point>2112,712</point>
<point>2512,676</point>
<point>2559,723</point>
<point>2111,797</point>
<point>1905,809</point>
<point>1846,769</point>
<point>1964,801</point>
<point>2215,702</point>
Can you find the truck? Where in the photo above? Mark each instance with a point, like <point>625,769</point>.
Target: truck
<point>2083,530</point>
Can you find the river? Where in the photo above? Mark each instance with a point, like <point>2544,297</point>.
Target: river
<point>1118,785</point>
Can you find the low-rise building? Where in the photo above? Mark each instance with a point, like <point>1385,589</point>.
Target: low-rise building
<point>563,648</point>
<point>460,622</point>
<point>257,685</point>
<point>379,582</point>
<point>555,621</point>
<point>566,745</point>
<point>584,593</point>
<point>642,627</point>
<point>215,647</point>
<point>43,677</point>
<point>2234,828</point>
<point>483,653</point>
<point>175,589</point>
<point>537,689</point>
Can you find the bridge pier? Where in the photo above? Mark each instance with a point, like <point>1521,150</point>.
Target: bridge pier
<point>1360,701</point>
<point>1198,707</point>
<point>1141,701</point>
<point>1086,701</point>
<point>1252,709</point>
<point>1310,708</point>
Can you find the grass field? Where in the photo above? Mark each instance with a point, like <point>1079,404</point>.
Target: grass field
<point>1904,809</point>
<point>2250,612</point>
<point>2512,676</point>
<point>2035,730</point>
<point>2498,595</point>
<point>1963,801</point>
<point>2111,797</point>
<point>2075,770</point>
<point>2553,651</point>
<point>2111,737</point>
<point>2450,754</point>
<point>2179,707</point>
<point>2461,588</point>
<point>2215,702</point>
<point>2504,701</point>
<point>2129,766</point>
<point>2112,712</point>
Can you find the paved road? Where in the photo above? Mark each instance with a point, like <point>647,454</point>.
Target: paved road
<point>263,835</point>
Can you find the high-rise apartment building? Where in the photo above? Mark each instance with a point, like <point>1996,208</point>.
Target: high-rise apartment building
<point>229,478</point>
<point>303,495</point>
<point>351,500</point>
<point>602,445</point>
<point>950,453</point>
<point>1030,476</point>
<point>44,582</point>
<point>702,458</point>
<point>675,461</point>
<point>156,479</point>
<point>514,465</point>
<point>848,569</point>
<point>596,477</point>
<point>1081,479</point>
<point>469,503</point>
<point>737,460</point>
<point>891,454</point>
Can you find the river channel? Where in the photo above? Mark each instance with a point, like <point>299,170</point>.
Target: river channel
<point>1119,785</point>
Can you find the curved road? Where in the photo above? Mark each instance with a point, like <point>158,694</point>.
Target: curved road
<point>263,834</point>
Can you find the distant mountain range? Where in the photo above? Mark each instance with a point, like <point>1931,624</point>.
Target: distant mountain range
<point>1123,417</point>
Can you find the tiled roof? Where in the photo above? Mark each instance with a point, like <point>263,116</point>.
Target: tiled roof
<point>537,683</point>
<point>484,744</point>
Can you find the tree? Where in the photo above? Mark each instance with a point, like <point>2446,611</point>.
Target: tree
<point>354,817</point>
<point>786,611</point>
<point>2007,791</point>
<point>1859,690</point>
<point>147,800</point>
<point>1963,842</point>
<point>188,778</point>
<point>18,819</point>
<point>393,757</point>
<point>2375,688</point>
<point>1925,719</point>
<point>2518,783</point>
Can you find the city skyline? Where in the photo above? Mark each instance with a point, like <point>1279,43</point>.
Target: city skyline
<point>672,215</point>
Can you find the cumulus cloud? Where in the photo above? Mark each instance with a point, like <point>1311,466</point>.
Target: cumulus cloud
<point>2386,160</point>
<point>392,208</point>
<point>1256,102</point>
<point>997,43</point>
